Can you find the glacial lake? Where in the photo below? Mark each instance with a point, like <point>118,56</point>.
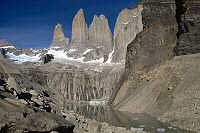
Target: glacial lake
<point>123,119</point>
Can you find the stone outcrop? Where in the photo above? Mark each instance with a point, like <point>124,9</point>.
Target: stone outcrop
<point>79,29</point>
<point>99,32</point>
<point>59,39</point>
<point>188,19</point>
<point>25,106</point>
<point>128,25</point>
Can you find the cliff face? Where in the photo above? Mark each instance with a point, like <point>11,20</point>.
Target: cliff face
<point>79,29</point>
<point>59,39</point>
<point>99,32</point>
<point>128,25</point>
<point>71,84</point>
<point>155,43</point>
<point>188,18</point>
<point>155,82</point>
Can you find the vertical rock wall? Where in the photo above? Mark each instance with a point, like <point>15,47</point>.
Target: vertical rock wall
<point>153,46</point>
<point>79,29</point>
<point>128,25</point>
<point>99,32</point>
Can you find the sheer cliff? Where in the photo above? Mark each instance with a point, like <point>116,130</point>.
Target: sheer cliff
<point>156,82</point>
<point>128,25</point>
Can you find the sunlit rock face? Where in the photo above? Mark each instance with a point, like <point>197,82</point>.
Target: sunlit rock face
<point>128,25</point>
<point>79,29</point>
<point>93,43</point>
<point>59,39</point>
<point>100,33</point>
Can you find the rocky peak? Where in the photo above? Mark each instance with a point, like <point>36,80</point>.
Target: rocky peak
<point>79,28</point>
<point>59,39</point>
<point>58,32</point>
<point>99,31</point>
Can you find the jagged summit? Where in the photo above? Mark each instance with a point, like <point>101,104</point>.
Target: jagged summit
<point>59,39</point>
<point>79,28</point>
<point>99,31</point>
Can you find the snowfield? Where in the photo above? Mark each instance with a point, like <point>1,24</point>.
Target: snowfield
<point>59,56</point>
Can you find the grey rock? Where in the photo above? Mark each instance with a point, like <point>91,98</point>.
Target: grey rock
<point>128,25</point>
<point>188,19</point>
<point>59,39</point>
<point>79,29</point>
<point>99,32</point>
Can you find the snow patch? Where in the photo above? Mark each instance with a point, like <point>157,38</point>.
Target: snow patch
<point>72,50</point>
<point>101,60</point>
<point>23,58</point>
<point>110,56</point>
<point>87,51</point>
<point>7,47</point>
<point>97,102</point>
<point>125,23</point>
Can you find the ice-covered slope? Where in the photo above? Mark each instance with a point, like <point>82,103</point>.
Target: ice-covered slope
<point>60,55</point>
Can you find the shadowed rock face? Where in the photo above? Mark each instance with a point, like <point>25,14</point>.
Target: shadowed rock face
<point>59,39</point>
<point>79,29</point>
<point>155,82</point>
<point>128,25</point>
<point>188,19</point>
<point>99,32</point>
<point>155,43</point>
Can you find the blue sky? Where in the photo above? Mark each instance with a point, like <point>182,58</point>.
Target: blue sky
<point>30,23</point>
